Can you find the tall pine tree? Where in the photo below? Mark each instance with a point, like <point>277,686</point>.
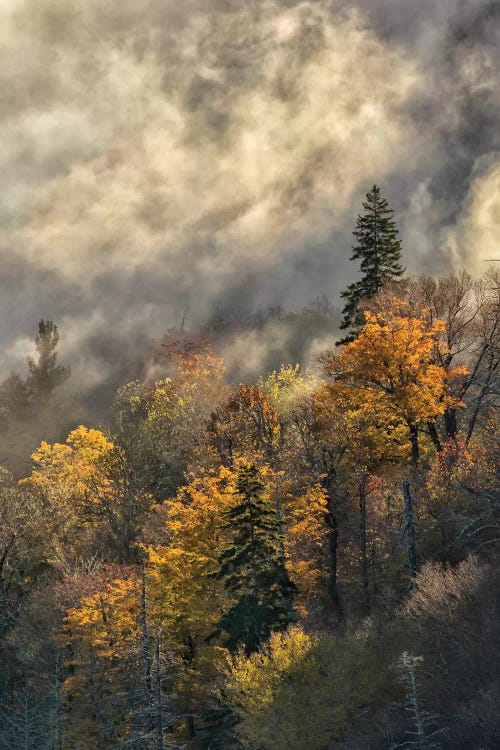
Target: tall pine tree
<point>44,373</point>
<point>379,250</point>
<point>253,566</point>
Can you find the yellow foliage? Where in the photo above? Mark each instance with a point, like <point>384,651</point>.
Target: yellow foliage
<point>305,539</point>
<point>283,385</point>
<point>257,677</point>
<point>175,404</point>
<point>68,469</point>
<point>187,599</point>
<point>108,621</point>
<point>302,691</point>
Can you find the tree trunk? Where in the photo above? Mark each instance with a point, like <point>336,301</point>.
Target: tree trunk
<point>415,451</point>
<point>146,656</point>
<point>433,434</point>
<point>450,423</point>
<point>333,535</point>
<point>363,542</point>
<point>146,692</point>
<point>475,414</point>
<point>57,702</point>
<point>409,530</point>
<point>159,715</point>
<point>333,543</point>
<point>277,501</point>
<point>190,726</point>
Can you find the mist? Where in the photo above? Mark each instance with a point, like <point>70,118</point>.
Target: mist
<point>161,157</point>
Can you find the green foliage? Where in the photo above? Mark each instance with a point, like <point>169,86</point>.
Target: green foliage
<point>253,567</point>
<point>379,251</point>
<point>44,372</point>
<point>162,424</point>
<point>31,408</point>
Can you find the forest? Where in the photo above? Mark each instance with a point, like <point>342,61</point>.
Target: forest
<point>307,561</point>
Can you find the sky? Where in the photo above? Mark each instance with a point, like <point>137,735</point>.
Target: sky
<point>159,157</point>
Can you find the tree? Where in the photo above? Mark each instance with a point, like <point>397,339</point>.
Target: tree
<point>306,540</point>
<point>185,597</point>
<point>458,505</point>
<point>453,618</point>
<point>388,370</point>
<point>247,424</point>
<point>162,425</point>
<point>25,545</point>
<point>101,638</point>
<point>421,734</point>
<point>379,250</point>
<point>89,479</point>
<point>14,397</point>
<point>470,309</point>
<point>28,409</point>
<point>44,372</point>
<point>253,567</point>
<point>25,723</point>
<point>305,691</point>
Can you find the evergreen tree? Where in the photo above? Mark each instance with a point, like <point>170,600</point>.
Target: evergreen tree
<point>28,413</point>
<point>379,250</point>
<point>44,373</point>
<point>253,566</point>
<point>14,397</point>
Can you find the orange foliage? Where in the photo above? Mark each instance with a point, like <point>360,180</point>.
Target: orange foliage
<point>305,545</point>
<point>388,372</point>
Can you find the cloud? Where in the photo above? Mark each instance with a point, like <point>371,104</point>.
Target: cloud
<point>158,156</point>
<point>476,237</point>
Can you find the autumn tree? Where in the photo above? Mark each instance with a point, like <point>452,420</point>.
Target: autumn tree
<point>120,506</point>
<point>470,310</point>
<point>379,251</point>
<point>312,445</point>
<point>162,425</point>
<point>90,480</point>
<point>246,424</point>
<point>306,537</point>
<point>26,541</point>
<point>388,368</point>
<point>253,567</point>
<point>185,596</point>
<point>100,636</point>
<point>453,618</point>
<point>305,691</point>
<point>348,450</point>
